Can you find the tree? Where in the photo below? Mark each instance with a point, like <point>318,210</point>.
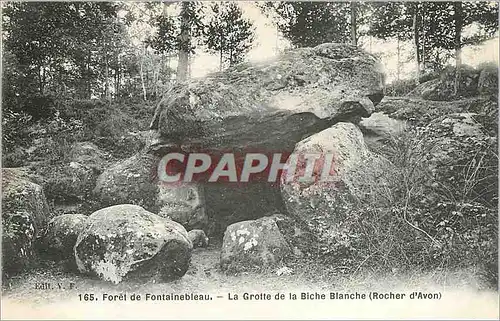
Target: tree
<point>435,27</point>
<point>190,26</point>
<point>228,33</point>
<point>354,39</point>
<point>179,34</point>
<point>308,24</point>
<point>58,47</point>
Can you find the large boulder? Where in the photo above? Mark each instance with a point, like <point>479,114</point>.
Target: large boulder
<point>264,107</point>
<point>183,203</point>
<point>129,181</point>
<point>356,175</point>
<point>24,213</point>
<point>272,104</point>
<point>134,180</point>
<point>253,244</point>
<point>57,240</point>
<point>126,241</point>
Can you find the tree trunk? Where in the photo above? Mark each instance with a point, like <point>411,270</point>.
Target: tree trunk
<point>399,58</point>
<point>423,58</point>
<point>185,42</point>
<point>416,39</point>
<point>457,6</point>
<point>221,58</point>
<point>117,76</point>
<point>354,40</point>
<point>141,71</point>
<point>107,92</point>
<point>88,80</point>
<point>40,79</point>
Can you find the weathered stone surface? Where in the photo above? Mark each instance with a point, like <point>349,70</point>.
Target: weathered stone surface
<point>129,181</point>
<point>271,104</point>
<point>126,241</point>
<point>198,238</point>
<point>72,181</point>
<point>464,124</point>
<point>253,244</point>
<point>322,205</point>
<point>420,110</point>
<point>134,180</point>
<point>379,127</point>
<point>89,155</point>
<point>24,213</point>
<point>183,203</point>
<point>57,240</point>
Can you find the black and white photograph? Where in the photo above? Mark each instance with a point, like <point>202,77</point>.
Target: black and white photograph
<point>244,160</point>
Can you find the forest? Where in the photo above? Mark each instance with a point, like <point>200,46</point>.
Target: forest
<point>95,93</point>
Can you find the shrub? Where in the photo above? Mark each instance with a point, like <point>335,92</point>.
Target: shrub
<point>111,126</point>
<point>404,86</point>
<point>439,209</point>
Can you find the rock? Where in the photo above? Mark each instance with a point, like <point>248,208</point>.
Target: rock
<point>24,213</point>
<point>464,124</point>
<point>18,239</point>
<point>134,180</point>
<point>424,111</point>
<point>443,89</point>
<point>253,244</point>
<point>425,89</point>
<point>72,181</point>
<point>59,237</point>
<point>198,238</point>
<point>488,80</point>
<point>129,181</point>
<point>19,194</point>
<point>270,105</point>
<point>357,176</point>
<point>89,155</point>
<point>264,107</point>
<point>68,183</point>
<point>380,127</point>
<point>126,241</point>
<point>183,203</point>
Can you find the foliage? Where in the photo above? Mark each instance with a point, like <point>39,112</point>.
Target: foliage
<point>405,86</point>
<point>228,33</point>
<point>439,209</point>
<point>113,127</point>
<point>307,24</point>
<point>167,37</point>
<point>63,45</point>
<point>434,23</point>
